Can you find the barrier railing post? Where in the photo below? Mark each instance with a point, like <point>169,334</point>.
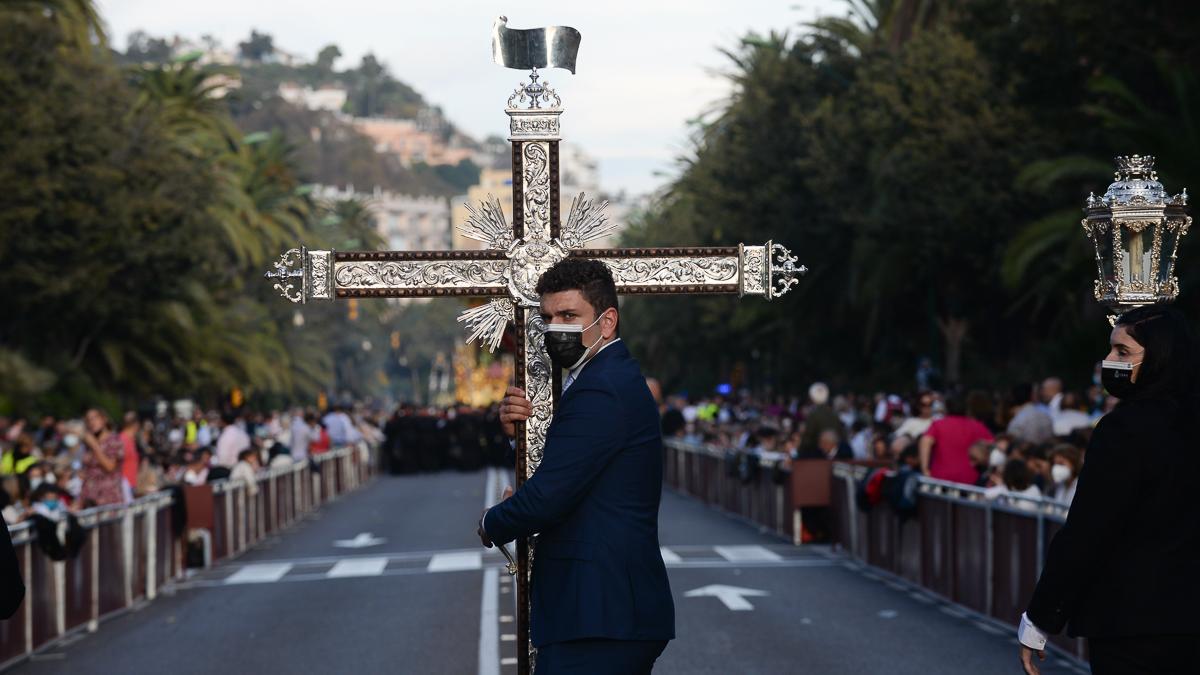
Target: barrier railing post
<point>152,553</point>
<point>989,562</point>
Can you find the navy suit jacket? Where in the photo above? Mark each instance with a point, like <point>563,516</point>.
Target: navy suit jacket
<point>598,570</point>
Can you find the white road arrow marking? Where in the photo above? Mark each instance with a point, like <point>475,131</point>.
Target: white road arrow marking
<point>734,597</point>
<point>363,540</point>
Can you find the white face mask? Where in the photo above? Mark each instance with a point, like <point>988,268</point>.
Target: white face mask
<point>997,459</point>
<point>70,440</point>
<point>1061,473</point>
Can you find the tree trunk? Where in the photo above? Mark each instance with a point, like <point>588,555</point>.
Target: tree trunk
<point>954,332</point>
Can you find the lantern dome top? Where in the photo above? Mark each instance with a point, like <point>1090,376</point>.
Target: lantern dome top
<point>1135,184</point>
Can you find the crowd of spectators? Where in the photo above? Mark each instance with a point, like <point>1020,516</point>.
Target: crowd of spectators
<point>54,466</point>
<point>1028,442</point>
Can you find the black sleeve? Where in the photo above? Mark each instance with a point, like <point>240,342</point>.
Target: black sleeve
<point>12,588</point>
<point>1103,500</point>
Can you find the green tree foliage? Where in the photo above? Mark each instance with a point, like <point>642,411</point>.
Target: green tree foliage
<point>928,162</point>
<point>135,232</point>
<point>257,47</point>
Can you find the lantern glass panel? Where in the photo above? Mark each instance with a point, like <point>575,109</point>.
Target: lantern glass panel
<point>1170,238</point>
<point>1137,248</point>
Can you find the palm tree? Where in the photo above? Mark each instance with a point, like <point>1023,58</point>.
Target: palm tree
<point>872,24</point>
<point>78,20</point>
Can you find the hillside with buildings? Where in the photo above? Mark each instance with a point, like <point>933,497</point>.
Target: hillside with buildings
<point>360,132</point>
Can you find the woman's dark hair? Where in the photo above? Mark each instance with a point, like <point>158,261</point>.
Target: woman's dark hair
<point>1017,475</point>
<point>979,406</point>
<point>955,405</point>
<point>1169,364</point>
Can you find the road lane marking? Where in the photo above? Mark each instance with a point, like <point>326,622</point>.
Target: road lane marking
<point>264,573</point>
<point>360,540</point>
<point>732,596</point>
<point>455,562</point>
<point>669,556</point>
<point>489,648</point>
<point>738,554</point>
<point>359,567</point>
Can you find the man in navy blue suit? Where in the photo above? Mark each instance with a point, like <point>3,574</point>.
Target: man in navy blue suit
<point>600,599</point>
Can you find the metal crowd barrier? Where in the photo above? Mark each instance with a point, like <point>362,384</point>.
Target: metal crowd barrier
<point>764,497</point>
<point>984,554</point>
<point>131,551</point>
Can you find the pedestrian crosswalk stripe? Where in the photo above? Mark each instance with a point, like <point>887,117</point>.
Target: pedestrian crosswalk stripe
<point>358,567</point>
<point>747,554</point>
<point>259,574</point>
<point>670,556</point>
<point>453,562</point>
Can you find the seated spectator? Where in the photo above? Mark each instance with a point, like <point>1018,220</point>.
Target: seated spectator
<point>880,450</point>
<point>829,446</point>
<point>861,435</point>
<point>1037,457</point>
<point>916,426</point>
<point>1071,415</point>
<point>246,470</point>
<point>197,466</point>
<point>1018,488</point>
<point>980,454</point>
<point>280,456</point>
<point>1067,462</point>
<point>1030,423</point>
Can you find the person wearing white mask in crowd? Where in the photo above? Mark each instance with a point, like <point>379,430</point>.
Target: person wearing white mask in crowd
<point>1067,461</point>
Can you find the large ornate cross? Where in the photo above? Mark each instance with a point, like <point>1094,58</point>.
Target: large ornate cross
<point>516,254</point>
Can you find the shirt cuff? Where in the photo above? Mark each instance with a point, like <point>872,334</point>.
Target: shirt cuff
<point>1030,635</point>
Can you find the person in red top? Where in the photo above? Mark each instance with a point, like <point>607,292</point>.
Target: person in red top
<point>129,464</point>
<point>322,442</point>
<point>944,447</point>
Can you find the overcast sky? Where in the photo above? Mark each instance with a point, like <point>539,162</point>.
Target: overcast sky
<point>645,67</point>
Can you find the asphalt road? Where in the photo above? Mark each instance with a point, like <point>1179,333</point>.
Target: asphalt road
<point>419,596</point>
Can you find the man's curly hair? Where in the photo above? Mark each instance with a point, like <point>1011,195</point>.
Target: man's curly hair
<point>589,277</point>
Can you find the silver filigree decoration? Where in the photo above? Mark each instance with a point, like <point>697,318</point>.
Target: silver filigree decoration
<point>754,271</point>
<point>539,382</point>
<point>487,322</point>
<point>535,93</point>
<point>587,222</point>
<point>289,267</point>
<point>319,287</point>
<point>673,271</point>
<point>421,274</point>
<point>488,224</point>
<point>537,191</point>
<point>784,270</point>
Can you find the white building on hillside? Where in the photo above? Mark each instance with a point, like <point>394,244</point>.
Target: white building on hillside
<point>324,98</point>
<point>404,222</point>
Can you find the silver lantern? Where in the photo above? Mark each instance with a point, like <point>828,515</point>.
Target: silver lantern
<point>1136,229</point>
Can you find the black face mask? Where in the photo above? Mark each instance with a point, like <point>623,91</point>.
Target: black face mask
<point>1117,377</point>
<point>564,344</point>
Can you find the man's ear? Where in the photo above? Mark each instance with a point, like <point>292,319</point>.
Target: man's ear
<point>615,319</point>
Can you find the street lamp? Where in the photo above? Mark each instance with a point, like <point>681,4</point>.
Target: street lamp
<point>1136,229</point>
